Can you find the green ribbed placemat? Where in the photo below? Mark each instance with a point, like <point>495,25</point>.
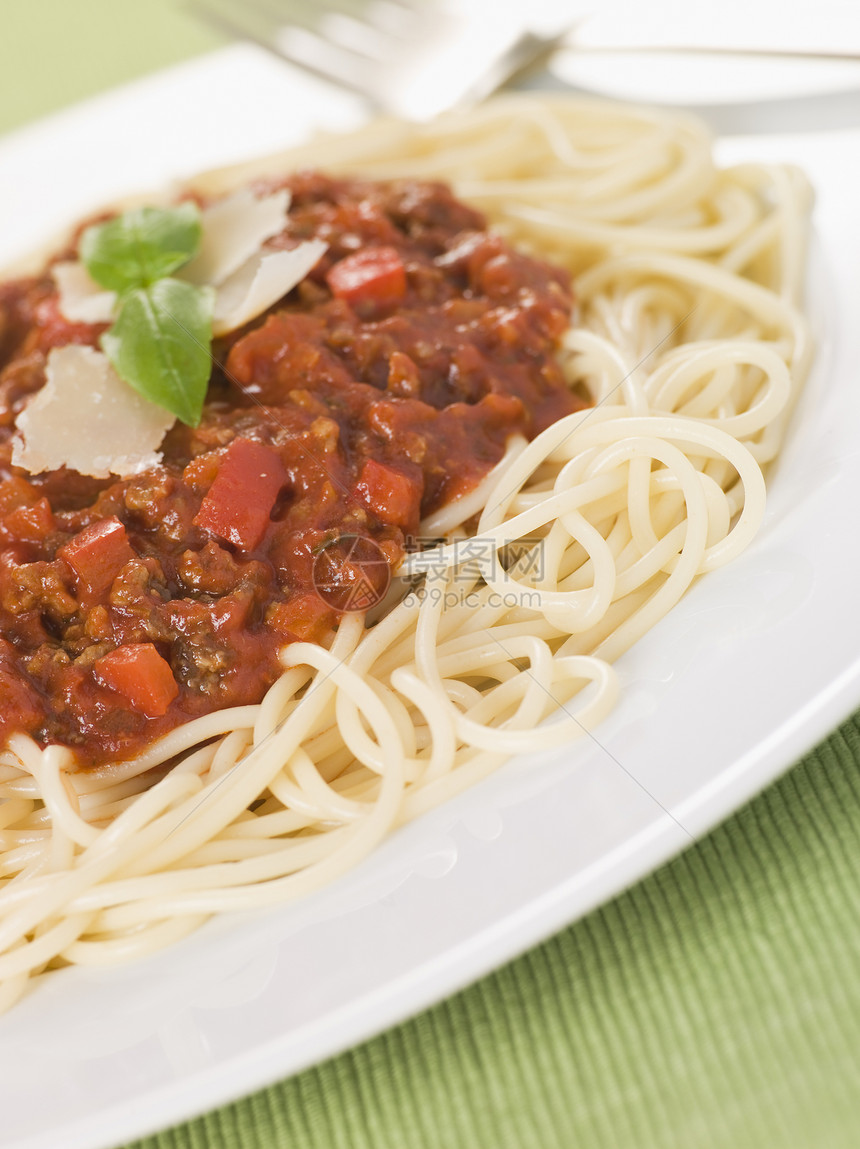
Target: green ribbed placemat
<point>716,1005</point>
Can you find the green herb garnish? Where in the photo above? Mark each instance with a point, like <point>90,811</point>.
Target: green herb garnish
<point>160,342</point>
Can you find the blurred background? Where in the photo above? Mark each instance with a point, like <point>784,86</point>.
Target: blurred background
<point>53,52</point>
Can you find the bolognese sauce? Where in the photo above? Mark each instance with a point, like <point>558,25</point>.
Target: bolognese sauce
<point>382,387</point>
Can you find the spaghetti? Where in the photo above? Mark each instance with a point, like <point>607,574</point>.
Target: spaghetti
<point>691,346</point>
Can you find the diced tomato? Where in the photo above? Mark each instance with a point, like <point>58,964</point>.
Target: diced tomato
<point>239,502</point>
<point>374,275</point>
<point>96,555</point>
<point>31,524</point>
<point>392,495</point>
<point>15,492</point>
<point>141,676</point>
<point>305,617</point>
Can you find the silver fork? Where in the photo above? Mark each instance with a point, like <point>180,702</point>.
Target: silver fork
<point>411,57</point>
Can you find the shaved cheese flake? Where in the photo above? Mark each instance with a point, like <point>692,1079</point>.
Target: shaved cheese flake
<point>88,419</point>
<point>234,229</point>
<point>262,281</point>
<point>81,299</point>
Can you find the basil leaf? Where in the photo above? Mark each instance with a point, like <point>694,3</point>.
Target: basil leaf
<point>140,246</point>
<point>160,345</point>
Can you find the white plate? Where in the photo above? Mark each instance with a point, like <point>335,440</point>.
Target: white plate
<point>753,667</point>
<point>756,63</point>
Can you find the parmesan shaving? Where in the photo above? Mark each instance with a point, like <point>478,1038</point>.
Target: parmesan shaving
<point>264,279</point>
<point>81,299</point>
<point>231,258</point>
<point>86,418</point>
<point>234,229</point>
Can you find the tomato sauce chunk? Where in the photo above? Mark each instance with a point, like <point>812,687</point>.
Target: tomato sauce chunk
<point>141,676</point>
<point>33,523</point>
<point>305,618</point>
<point>391,494</point>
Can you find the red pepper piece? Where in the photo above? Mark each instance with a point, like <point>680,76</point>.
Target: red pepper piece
<point>140,675</point>
<point>374,275</point>
<point>96,555</point>
<point>239,502</point>
<point>392,495</point>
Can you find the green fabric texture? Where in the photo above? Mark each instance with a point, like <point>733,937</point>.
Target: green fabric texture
<point>716,1005</point>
